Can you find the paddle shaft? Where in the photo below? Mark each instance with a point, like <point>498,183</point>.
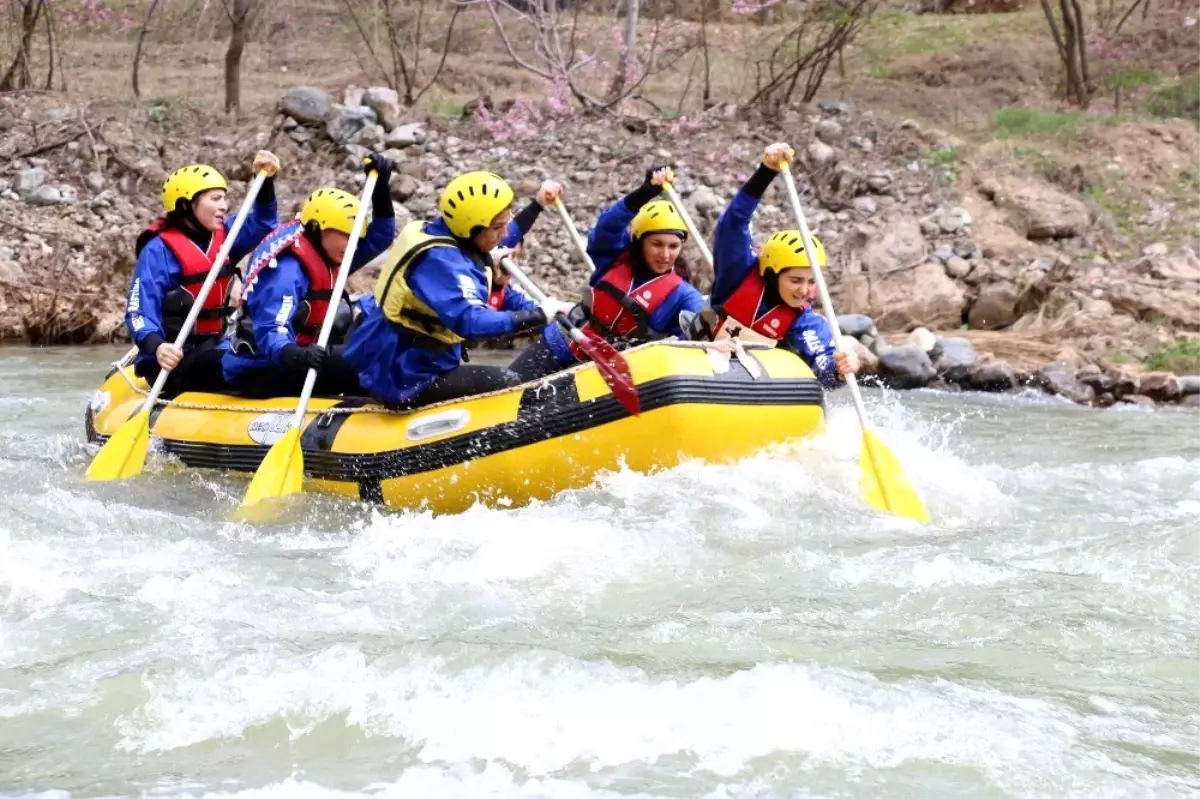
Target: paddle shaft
<point>575,237</point>
<point>826,302</point>
<point>209,280</point>
<point>687,220</point>
<point>539,296</point>
<point>339,285</point>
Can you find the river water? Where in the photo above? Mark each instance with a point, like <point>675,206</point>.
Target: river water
<point>714,631</point>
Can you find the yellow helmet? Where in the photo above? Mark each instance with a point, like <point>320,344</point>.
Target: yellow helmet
<point>657,216</point>
<point>785,250</point>
<point>473,200</point>
<point>331,209</point>
<point>188,181</point>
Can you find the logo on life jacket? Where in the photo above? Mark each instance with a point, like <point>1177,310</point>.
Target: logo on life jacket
<point>496,297</point>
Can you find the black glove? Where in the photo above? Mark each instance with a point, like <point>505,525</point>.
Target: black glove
<point>381,197</point>
<point>526,320</point>
<point>645,192</point>
<point>296,357</point>
<point>701,326</point>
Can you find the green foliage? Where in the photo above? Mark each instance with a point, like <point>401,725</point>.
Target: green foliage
<point>1015,121</point>
<point>1181,356</point>
<point>1180,99</point>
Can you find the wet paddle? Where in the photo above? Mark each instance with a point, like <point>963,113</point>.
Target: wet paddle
<point>124,454</point>
<point>611,363</point>
<point>282,470</point>
<point>884,482</point>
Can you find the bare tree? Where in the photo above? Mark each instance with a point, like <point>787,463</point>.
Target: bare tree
<point>802,54</point>
<point>19,74</point>
<point>1071,41</point>
<point>241,15</point>
<point>408,24</point>
<point>141,40</point>
<point>557,51</point>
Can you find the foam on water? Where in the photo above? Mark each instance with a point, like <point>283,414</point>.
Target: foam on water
<point>740,630</point>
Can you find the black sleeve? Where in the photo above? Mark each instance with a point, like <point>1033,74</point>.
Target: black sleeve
<point>527,216</point>
<point>266,193</point>
<point>758,182</point>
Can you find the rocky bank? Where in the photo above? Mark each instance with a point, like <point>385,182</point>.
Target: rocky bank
<point>984,281</point>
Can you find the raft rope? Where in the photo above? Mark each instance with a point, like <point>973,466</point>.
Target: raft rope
<point>122,365</point>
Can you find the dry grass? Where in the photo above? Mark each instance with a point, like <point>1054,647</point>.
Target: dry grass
<point>1023,353</point>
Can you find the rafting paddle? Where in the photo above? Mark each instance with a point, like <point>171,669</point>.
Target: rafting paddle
<point>884,483</point>
<point>612,364</point>
<point>124,454</point>
<point>687,220</point>
<point>282,470</point>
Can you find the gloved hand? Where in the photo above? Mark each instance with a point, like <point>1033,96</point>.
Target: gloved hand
<point>778,154</point>
<point>294,356</point>
<point>381,197</point>
<point>700,326</point>
<point>552,307</point>
<point>266,161</point>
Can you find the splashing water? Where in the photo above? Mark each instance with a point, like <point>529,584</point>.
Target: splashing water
<point>743,630</point>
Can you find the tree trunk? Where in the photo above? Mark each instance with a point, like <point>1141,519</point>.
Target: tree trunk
<point>18,76</point>
<point>239,29</point>
<point>628,61</point>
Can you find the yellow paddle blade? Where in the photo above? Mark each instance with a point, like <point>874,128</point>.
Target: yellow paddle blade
<point>124,454</point>
<point>281,473</point>
<point>884,483</point>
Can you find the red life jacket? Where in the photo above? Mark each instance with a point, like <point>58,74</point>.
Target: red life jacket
<point>744,303</point>
<point>495,299</point>
<point>194,263</point>
<point>310,315</point>
<point>621,312</point>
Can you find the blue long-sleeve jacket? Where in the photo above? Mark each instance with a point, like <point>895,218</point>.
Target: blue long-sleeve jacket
<point>734,259</point>
<point>396,367</point>
<point>517,300</point>
<point>606,241</point>
<point>158,272</point>
<point>279,291</point>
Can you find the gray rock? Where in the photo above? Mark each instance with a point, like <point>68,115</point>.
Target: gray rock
<point>385,103</point>
<point>992,376</point>
<point>406,135</point>
<point>965,248</point>
<point>834,107</point>
<point>370,137</point>
<point>856,325</point>
<point>1189,384</point>
<point>957,267</point>
<point>10,270</point>
<point>342,122</point>
<point>929,226</point>
<point>404,186</point>
<point>1140,400</point>
<point>862,143</point>
<point>878,182</point>
<point>996,307</point>
<point>956,359</point>
<point>953,220</point>
<point>819,153</point>
<point>28,180</point>
<point>943,253</point>
<point>306,104</point>
<point>706,202</point>
<point>924,339</point>
<point>95,181</point>
<point>906,366</point>
<point>1057,378</point>
<point>865,205</point>
<point>46,195</point>
<point>300,135</point>
<point>829,131</point>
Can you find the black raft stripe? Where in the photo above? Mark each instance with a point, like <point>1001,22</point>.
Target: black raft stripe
<point>538,423</point>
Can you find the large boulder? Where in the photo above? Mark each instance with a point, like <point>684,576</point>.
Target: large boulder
<point>856,324</point>
<point>956,359</point>
<point>385,103</point>
<point>906,366</point>
<point>1150,303</point>
<point>923,295</point>
<point>306,104</point>
<point>1058,378</point>
<point>342,122</point>
<point>1160,386</point>
<point>1036,209</point>
<point>996,307</point>
<point>992,375</point>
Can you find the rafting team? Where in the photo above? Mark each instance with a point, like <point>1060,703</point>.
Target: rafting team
<point>443,286</point>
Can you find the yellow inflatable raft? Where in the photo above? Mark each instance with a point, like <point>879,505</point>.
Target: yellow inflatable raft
<point>501,449</point>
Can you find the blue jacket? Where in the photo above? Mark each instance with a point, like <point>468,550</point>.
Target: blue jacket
<point>734,258</point>
<point>278,292</point>
<point>517,300</point>
<point>606,241</point>
<point>395,366</point>
<point>158,272</point>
